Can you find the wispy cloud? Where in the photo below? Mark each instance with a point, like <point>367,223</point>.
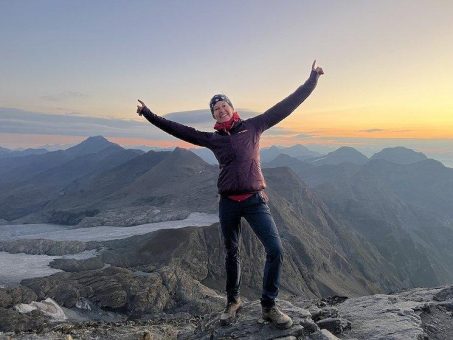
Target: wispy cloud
<point>26,122</point>
<point>62,96</point>
<point>277,131</point>
<point>372,130</point>
<point>384,130</point>
<point>402,131</point>
<point>304,136</point>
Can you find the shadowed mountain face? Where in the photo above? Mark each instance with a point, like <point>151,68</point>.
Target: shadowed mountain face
<point>32,182</point>
<point>400,155</point>
<point>78,186</point>
<point>342,155</point>
<point>6,153</point>
<point>297,151</point>
<point>405,210</point>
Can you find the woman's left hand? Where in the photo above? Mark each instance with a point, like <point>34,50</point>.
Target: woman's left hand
<point>140,107</point>
<point>317,69</point>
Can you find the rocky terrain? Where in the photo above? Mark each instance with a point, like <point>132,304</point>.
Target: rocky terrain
<point>413,314</point>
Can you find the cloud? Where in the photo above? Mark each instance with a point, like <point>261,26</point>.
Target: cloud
<point>304,136</point>
<point>372,130</point>
<point>62,96</point>
<point>26,122</point>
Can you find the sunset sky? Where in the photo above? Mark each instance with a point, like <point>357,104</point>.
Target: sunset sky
<point>72,69</point>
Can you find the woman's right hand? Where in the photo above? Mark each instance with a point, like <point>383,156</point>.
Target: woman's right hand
<point>318,69</point>
<point>140,107</point>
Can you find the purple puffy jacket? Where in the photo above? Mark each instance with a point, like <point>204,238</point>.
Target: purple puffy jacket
<point>238,152</point>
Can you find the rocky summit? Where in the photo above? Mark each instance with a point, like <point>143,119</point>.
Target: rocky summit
<point>420,313</point>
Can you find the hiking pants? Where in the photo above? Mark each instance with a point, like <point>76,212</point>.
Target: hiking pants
<point>257,213</point>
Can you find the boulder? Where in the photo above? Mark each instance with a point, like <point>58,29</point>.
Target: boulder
<point>12,320</point>
<point>73,265</point>
<point>334,325</point>
<point>324,313</point>
<point>323,334</point>
<point>444,294</point>
<point>48,307</point>
<point>12,296</point>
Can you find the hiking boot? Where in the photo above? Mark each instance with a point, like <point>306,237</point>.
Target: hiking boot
<point>229,313</point>
<point>277,317</point>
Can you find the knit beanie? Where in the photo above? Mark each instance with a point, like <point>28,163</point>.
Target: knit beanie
<point>218,98</point>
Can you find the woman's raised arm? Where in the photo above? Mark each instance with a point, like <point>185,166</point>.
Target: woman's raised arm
<point>177,130</point>
<point>284,108</point>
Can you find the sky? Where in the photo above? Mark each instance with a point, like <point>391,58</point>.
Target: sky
<point>73,69</point>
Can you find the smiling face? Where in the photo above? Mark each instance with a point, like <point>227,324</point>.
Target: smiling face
<point>222,112</point>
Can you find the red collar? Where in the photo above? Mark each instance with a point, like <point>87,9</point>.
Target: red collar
<point>229,124</point>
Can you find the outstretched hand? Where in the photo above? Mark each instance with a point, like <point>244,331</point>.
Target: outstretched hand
<point>317,69</point>
<point>140,107</point>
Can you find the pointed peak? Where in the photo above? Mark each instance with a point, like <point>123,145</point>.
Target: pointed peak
<point>96,139</point>
<point>91,145</point>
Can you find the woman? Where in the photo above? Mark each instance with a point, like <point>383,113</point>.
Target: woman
<point>235,144</point>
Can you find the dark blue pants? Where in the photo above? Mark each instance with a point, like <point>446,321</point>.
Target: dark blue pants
<point>257,213</point>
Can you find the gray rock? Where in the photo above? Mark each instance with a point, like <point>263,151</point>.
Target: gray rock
<point>437,323</point>
<point>13,321</point>
<point>323,334</point>
<point>130,216</point>
<point>382,316</point>
<point>334,325</point>
<point>12,296</point>
<point>73,265</point>
<point>249,325</point>
<point>309,326</point>
<point>47,247</point>
<point>323,313</point>
<point>118,289</point>
<point>444,294</point>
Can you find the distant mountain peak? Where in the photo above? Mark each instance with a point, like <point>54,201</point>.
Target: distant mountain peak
<point>400,155</point>
<point>298,151</point>
<point>96,139</point>
<point>344,149</point>
<point>344,154</point>
<point>90,145</point>
<point>184,155</point>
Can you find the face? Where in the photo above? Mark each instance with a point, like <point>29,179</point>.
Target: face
<point>222,112</point>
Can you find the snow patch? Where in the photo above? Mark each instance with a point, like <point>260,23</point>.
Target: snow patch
<point>48,307</point>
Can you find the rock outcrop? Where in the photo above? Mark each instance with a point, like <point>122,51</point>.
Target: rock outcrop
<point>168,289</point>
<point>47,247</point>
